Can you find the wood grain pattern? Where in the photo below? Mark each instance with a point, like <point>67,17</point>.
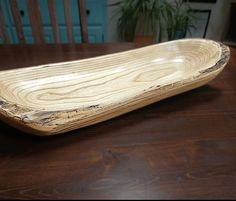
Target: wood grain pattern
<point>57,98</point>
<point>67,11</point>
<point>179,148</point>
<point>53,17</point>
<point>36,21</point>
<point>83,21</point>
<point>17,19</point>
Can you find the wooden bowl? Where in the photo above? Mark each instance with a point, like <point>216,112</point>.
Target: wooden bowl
<point>56,98</point>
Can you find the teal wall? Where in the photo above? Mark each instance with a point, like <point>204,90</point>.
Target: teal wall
<point>97,21</point>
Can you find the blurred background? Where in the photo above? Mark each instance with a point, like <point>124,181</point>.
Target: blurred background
<point>197,18</point>
<point>140,21</point>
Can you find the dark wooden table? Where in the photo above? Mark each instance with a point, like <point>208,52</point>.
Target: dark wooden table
<point>182,147</point>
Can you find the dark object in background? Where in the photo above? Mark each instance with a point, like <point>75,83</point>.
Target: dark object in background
<point>201,1</point>
<point>231,33</point>
<point>150,20</point>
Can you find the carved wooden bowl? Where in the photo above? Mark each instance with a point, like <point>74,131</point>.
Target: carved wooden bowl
<point>56,98</point>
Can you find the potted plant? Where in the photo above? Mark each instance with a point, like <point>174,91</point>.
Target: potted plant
<point>141,20</point>
<point>180,20</point>
<point>149,20</point>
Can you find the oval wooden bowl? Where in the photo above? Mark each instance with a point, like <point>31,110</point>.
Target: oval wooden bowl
<point>56,98</point>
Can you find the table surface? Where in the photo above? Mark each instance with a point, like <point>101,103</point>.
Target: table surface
<point>182,147</point>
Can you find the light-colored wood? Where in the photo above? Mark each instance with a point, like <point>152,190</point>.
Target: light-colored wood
<point>56,98</point>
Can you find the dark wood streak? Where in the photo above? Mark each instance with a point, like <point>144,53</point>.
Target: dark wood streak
<point>223,60</point>
<point>94,106</point>
<point>2,103</point>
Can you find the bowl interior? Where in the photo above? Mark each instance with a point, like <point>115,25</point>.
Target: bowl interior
<point>109,78</point>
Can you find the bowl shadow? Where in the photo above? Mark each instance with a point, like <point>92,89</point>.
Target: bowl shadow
<point>16,142</point>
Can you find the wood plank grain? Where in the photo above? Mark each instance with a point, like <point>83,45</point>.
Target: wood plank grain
<point>54,23</point>
<point>17,19</point>
<point>72,95</point>
<point>67,11</point>
<point>83,21</point>
<point>3,31</point>
<point>38,54</point>
<point>36,21</point>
